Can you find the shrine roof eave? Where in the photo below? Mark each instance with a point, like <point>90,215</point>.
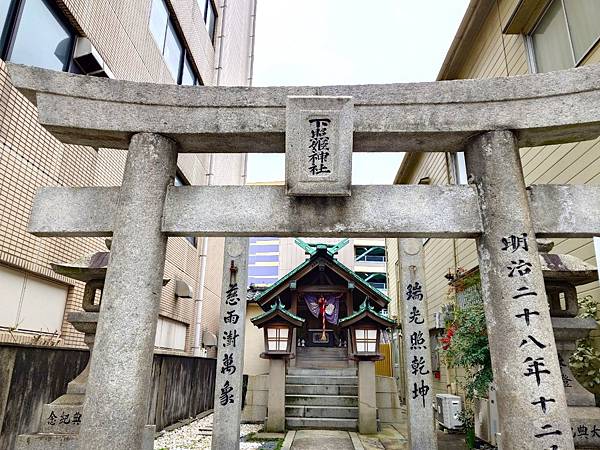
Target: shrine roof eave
<point>366,312</point>
<point>277,313</point>
<point>540,109</point>
<point>280,285</point>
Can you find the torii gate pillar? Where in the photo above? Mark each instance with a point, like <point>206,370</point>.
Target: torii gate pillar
<point>531,400</point>
<point>115,410</point>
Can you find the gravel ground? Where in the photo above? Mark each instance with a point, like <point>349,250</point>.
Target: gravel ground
<point>197,436</point>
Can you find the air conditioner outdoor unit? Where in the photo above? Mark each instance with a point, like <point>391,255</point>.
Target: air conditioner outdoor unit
<point>448,407</point>
<point>89,60</point>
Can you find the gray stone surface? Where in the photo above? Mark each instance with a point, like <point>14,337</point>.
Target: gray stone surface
<point>321,400</point>
<point>367,398</point>
<point>417,348</point>
<point>277,396</point>
<point>545,108</point>
<point>371,211</point>
<point>230,354</point>
<point>318,145</point>
<point>116,405</point>
<point>565,210</point>
<point>334,412</point>
<point>320,423</point>
<point>585,426</point>
<point>567,331</point>
<point>522,348</point>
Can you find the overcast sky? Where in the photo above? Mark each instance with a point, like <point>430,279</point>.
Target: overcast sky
<point>322,42</point>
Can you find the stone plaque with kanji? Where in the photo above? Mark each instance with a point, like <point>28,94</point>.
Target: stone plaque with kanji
<point>318,159</point>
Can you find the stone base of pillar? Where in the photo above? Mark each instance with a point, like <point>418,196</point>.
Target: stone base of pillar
<point>585,423</point>
<point>51,441</point>
<point>275,422</point>
<point>367,398</point>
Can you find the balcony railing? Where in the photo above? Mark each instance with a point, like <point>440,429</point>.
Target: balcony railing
<point>370,258</point>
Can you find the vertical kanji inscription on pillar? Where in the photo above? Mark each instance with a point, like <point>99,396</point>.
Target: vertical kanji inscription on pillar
<point>230,353</point>
<point>417,348</point>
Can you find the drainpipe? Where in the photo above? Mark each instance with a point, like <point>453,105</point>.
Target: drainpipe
<point>251,42</point>
<point>197,348</point>
<point>221,36</point>
<point>251,39</point>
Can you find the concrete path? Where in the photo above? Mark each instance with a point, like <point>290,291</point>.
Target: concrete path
<point>322,440</point>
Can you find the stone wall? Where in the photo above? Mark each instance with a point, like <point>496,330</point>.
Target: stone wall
<point>30,376</point>
<point>255,403</point>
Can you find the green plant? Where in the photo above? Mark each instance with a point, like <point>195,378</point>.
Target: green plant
<point>585,361</point>
<point>466,345</point>
<point>469,348</point>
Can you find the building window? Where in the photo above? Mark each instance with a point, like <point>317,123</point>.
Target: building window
<point>209,13</point>
<point>369,254</point>
<point>460,168</point>
<point>33,32</point>
<point>31,304</point>
<point>181,181</point>
<point>565,34</point>
<point>170,334</point>
<point>176,56</point>
<point>377,280</point>
<point>366,340</point>
<point>277,339</point>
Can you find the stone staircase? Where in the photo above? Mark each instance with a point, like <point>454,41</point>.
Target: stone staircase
<point>322,357</point>
<point>321,398</point>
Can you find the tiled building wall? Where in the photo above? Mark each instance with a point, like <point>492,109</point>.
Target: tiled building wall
<point>30,157</point>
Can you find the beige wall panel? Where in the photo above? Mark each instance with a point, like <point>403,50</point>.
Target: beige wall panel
<point>391,251</point>
<point>254,344</point>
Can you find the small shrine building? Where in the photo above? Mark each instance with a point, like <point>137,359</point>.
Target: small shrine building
<point>307,339</point>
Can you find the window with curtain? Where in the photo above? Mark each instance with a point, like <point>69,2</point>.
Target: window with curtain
<point>565,34</point>
<point>35,33</point>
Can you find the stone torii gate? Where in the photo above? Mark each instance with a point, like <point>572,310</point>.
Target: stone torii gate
<point>488,119</point>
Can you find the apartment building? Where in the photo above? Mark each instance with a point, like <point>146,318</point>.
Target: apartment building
<point>498,39</point>
<point>188,42</point>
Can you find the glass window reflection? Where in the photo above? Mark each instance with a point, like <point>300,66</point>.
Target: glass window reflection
<point>41,39</point>
<point>173,51</point>
<point>158,22</point>
<point>187,76</point>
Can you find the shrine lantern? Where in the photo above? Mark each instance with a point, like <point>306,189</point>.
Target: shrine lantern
<point>365,327</point>
<point>278,324</point>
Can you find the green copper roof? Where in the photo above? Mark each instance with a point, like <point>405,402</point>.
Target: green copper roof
<point>311,249</point>
<point>277,306</point>
<point>366,307</point>
<point>331,250</point>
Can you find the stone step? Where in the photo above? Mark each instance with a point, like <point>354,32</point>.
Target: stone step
<point>321,352</point>
<point>305,379</point>
<point>297,423</point>
<point>322,363</point>
<point>348,371</point>
<point>321,400</point>
<point>321,389</point>
<point>335,412</point>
